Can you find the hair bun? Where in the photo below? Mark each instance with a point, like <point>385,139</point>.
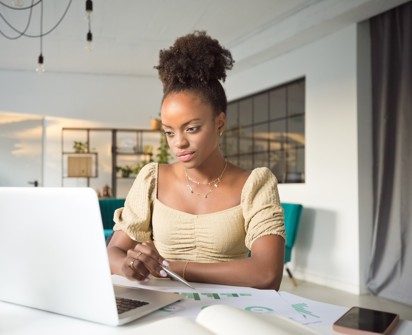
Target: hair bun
<point>193,60</point>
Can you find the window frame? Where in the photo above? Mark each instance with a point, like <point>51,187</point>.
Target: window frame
<point>280,145</point>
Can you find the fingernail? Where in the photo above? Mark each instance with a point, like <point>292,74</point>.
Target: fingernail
<point>165,263</point>
<point>163,273</point>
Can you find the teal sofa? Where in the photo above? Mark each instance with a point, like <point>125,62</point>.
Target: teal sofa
<point>293,214</point>
<point>107,208</point>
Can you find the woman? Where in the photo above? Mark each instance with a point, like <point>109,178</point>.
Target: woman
<point>201,215</point>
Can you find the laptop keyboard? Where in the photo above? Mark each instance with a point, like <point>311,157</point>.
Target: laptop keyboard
<point>125,305</point>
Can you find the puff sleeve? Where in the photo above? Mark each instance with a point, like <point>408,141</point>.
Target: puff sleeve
<point>261,207</point>
<point>135,217</point>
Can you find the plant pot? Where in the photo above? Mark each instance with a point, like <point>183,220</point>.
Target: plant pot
<point>155,124</point>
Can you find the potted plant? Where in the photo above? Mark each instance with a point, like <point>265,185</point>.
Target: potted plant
<point>138,166</point>
<point>155,124</point>
<point>148,149</point>
<point>80,147</point>
<point>125,171</point>
<point>163,155</point>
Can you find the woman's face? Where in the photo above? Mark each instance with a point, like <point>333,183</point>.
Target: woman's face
<point>191,127</point>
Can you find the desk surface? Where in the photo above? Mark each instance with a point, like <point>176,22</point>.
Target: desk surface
<point>17,319</point>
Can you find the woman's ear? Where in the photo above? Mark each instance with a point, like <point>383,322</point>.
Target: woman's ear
<point>221,123</point>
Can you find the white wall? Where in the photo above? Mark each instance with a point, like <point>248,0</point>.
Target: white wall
<point>118,101</point>
<point>327,247</point>
<point>77,100</point>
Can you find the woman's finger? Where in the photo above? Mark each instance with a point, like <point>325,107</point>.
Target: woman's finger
<point>134,267</point>
<point>149,249</point>
<point>151,258</point>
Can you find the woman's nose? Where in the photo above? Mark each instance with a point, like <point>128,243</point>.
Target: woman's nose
<point>180,141</point>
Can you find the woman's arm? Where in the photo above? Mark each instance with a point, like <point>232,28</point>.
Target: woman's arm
<point>263,269</point>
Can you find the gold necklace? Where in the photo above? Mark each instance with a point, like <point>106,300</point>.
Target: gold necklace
<point>212,184</point>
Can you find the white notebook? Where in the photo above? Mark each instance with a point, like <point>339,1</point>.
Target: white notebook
<point>53,256</point>
<point>225,320</point>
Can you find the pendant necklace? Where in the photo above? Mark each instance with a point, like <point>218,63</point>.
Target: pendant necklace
<point>212,184</point>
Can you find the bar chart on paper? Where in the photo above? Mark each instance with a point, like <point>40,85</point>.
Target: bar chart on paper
<point>314,312</point>
<point>256,301</point>
<point>303,309</point>
<point>268,302</point>
<point>214,296</point>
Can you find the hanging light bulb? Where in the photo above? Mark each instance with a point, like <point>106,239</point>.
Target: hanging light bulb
<point>40,64</point>
<point>23,5</point>
<point>89,39</point>
<point>89,8</point>
<point>89,36</point>
<point>40,61</point>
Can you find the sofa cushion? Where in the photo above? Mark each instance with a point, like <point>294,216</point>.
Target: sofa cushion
<point>107,208</point>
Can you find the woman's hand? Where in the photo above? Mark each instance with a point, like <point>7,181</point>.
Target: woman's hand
<point>135,261</point>
<point>143,260</point>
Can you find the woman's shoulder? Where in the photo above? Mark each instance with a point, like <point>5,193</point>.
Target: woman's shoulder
<point>255,174</point>
<point>262,172</point>
<point>149,170</point>
<point>168,173</point>
<point>236,177</point>
<point>259,178</point>
<point>239,172</point>
<point>168,169</point>
<point>247,180</point>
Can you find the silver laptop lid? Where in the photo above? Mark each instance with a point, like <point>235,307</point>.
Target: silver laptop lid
<point>53,254</point>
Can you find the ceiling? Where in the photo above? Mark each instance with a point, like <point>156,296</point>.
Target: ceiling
<point>128,34</point>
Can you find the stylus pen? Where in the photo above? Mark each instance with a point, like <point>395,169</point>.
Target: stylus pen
<point>177,277</point>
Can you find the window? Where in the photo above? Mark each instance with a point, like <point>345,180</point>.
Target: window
<point>268,129</point>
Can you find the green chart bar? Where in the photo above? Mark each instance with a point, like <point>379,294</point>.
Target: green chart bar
<point>215,296</point>
<point>212,295</point>
<point>235,295</point>
<point>231,295</point>
<point>194,296</point>
<point>301,309</point>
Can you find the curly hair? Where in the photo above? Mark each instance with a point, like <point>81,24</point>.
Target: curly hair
<point>197,63</point>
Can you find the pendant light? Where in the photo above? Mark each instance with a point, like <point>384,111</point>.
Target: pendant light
<point>18,6</point>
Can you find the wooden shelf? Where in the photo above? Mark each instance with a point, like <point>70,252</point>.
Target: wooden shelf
<point>114,148</point>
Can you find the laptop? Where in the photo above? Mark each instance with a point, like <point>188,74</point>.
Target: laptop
<point>53,257</point>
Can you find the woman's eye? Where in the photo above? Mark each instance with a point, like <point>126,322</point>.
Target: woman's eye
<point>168,133</point>
<point>192,129</point>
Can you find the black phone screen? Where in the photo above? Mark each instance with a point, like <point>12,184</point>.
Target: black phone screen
<point>366,319</point>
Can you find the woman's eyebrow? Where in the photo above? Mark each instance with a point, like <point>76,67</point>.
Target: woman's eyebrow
<point>183,125</point>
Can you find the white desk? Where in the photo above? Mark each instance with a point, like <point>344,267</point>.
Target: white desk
<point>16,319</point>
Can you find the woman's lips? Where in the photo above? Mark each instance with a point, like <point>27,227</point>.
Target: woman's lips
<point>185,156</point>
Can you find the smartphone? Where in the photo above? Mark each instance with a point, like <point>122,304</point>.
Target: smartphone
<point>358,320</point>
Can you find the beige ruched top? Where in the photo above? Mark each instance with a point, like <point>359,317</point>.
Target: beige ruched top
<point>214,237</point>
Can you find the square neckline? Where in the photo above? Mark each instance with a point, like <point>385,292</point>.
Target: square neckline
<point>156,174</point>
